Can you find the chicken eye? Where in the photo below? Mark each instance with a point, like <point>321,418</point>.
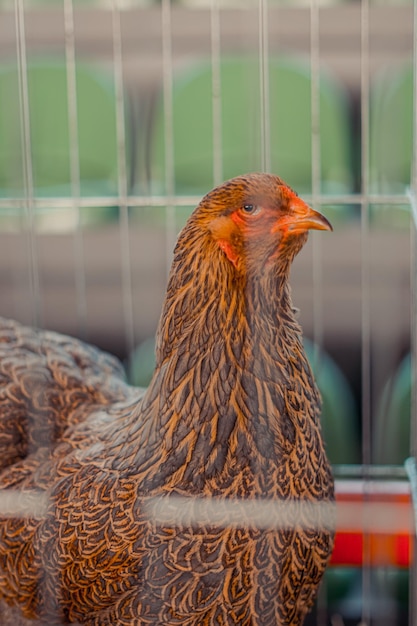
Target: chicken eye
<point>251,209</point>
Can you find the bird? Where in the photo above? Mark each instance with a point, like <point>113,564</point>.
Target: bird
<point>150,501</point>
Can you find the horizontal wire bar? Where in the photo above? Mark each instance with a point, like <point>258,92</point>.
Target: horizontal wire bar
<point>98,202</point>
<point>376,515</point>
<point>15,503</point>
<point>365,516</point>
<point>370,471</point>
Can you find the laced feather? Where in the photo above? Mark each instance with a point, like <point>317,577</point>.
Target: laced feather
<point>232,412</point>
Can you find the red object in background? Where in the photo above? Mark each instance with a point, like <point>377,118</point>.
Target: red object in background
<point>375,524</point>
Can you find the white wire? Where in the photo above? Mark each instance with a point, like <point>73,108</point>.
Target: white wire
<point>216,93</point>
<point>168,128</point>
<point>365,257</point>
<point>317,267</point>
<point>411,463</point>
<point>79,261</point>
<point>127,293</point>
<point>365,297</point>
<point>355,517</point>
<point>400,200</point>
<point>264,86</point>
<point>28,199</point>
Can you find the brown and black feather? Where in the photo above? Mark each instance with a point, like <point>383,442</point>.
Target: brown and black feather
<point>232,413</point>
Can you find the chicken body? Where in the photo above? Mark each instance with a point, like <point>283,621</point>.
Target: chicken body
<point>231,417</point>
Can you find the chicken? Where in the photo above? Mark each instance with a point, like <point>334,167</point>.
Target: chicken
<point>230,418</point>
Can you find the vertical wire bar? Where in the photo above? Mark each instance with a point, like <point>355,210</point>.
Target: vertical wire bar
<point>29,207</point>
<point>414,155</point>
<point>264,86</point>
<point>128,316</point>
<point>365,278</point>
<point>80,279</point>
<point>413,412</point>
<point>318,324</point>
<point>413,233</point>
<point>412,619</point>
<point>216,93</point>
<point>318,327</point>
<point>169,127</point>
<point>365,297</point>
<point>34,281</point>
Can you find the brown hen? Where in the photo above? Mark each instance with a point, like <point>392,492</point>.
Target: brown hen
<point>231,417</point>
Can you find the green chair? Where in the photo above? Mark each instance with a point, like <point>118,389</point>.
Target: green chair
<point>391,140</point>
<point>391,132</point>
<point>290,127</point>
<point>50,132</point>
<point>141,363</point>
<point>393,418</point>
<point>339,417</point>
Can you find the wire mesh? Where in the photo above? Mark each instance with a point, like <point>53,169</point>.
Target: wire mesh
<point>258,23</point>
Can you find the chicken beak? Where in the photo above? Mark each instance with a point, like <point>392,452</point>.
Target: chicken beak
<point>301,218</point>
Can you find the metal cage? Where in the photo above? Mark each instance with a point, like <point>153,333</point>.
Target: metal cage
<point>95,184</point>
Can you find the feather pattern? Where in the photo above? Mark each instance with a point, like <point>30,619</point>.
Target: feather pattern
<point>231,414</point>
